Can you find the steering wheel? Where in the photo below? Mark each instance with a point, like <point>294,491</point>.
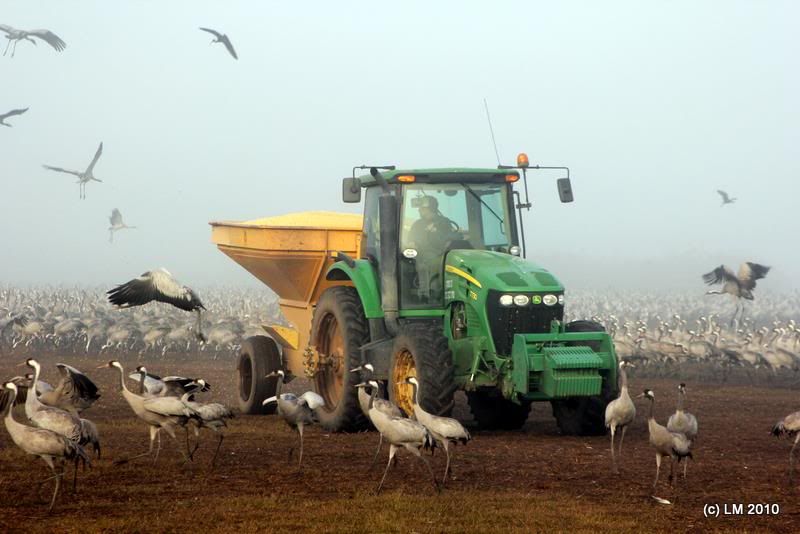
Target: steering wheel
<point>454,225</point>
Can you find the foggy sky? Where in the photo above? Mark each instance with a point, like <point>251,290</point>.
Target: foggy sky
<point>652,105</point>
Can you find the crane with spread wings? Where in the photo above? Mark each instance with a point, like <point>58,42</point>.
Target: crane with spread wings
<point>13,34</point>
<point>85,176</point>
<point>739,286</point>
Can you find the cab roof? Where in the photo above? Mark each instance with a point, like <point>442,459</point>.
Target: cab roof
<point>443,175</point>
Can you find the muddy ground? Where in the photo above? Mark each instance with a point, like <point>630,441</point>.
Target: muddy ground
<point>526,480</point>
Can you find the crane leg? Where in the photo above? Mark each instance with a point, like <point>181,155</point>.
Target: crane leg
<point>447,464</point>
<point>219,444</point>
<point>377,452</point>
<point>75,476</point>
<point>416,452</point>
<point>300,431</point>
<point>55,491</point>
<point>621,438</point>
<point>685,467</point>
<point>613,456</point>
<point>658,468</point>
<point>392,452</point>
<point>7,45</point>
<point>14,48</point>
<point>671,471</point>
<point>791,459</point>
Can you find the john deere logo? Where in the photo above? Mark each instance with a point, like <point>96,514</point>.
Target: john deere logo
<point>536,299</point>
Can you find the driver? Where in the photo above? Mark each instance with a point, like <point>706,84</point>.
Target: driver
<point>431,232</point>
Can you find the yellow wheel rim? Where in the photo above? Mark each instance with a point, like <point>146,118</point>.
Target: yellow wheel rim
<point>330,378</point>
<point>404,393</point>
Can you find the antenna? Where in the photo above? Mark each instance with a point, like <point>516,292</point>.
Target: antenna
<point>491,130</point>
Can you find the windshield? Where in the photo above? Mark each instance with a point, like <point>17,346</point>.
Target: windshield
<point>441,217</point>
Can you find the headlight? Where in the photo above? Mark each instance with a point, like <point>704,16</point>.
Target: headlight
<point>549,300</point>
<point>514,251</point>
<point>561,299</point>
<point>506,300</point>
<point>521,300</point>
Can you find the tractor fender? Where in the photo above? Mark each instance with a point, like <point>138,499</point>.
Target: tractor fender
<point>364,279</point>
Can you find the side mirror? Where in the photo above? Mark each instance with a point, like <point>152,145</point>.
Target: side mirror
<point>564,190</point>
<point>351,190</point>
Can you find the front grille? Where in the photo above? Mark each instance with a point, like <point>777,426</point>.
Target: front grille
<point>505,321</point>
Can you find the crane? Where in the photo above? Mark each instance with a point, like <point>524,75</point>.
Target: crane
<point>211,415</point>
<point>167,413</point>
<point>158,285</point>
<point>672,445</point>
<point>789,426</point>
<point>726,199</point>
<point>388,407</point>
<point>11,113</point>
<point>400,433</point>
<point>682,421</point>
<point>444,430</point>
<point>739,286</point>
<point>620,412</point>
<point>74,393</point>
<point>46,444</point>
<point>13,34</point>
<point>221,38</point>
<point>116,224</point>
<point>169,386</point>
<point>296,411</point>
<point>83,177</point>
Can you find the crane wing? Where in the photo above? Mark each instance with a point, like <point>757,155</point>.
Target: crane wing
<point>227,42</point>
<point>152,285</point>
<point>59,169</point>
<point>719,275</point>
<point>215,33</point>
<point>50,38</point>
<point>724,195</point>
<point>313,400</point>
<point>750,272</point>
<point>116,217</point>
<point>6,28</point>
<point>94,160</point>
<point>13,112</point>
<point>82,383</point>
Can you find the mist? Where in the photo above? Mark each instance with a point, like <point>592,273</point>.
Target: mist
<point>653,106</point>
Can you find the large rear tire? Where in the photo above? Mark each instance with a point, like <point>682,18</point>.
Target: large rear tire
<point>421,351</point>
<point>585,416</point>
<point>339,329</point>
<point>493,412</point>
<point>258,357</point>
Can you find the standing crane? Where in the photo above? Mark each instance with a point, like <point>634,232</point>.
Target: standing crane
<point>381,404</point>
<point>789,426</point>
<point>116,224</point>
<point>400,432</point>
<point>46,444</point>
<point>620,412</point>
<point>682,421</point>
<point>158,285</point>
<point>4,116</point>
<point>169,386</point>
<point>13,34</point>
<point>221,38</point>
<point>672,445</point>
<point>211,415</point>
<point>85,176</point>
<point>167,413</point>
<point>296,411</point>
<point>445,430</point>
<point>739,286</point>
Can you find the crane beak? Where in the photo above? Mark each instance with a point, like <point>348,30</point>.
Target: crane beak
<point>22,364</point>
<point>357,369</point>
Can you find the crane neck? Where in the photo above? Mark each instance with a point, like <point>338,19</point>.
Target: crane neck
<point>372,397</point>
<point>681,400</point>
<point>415,393</point>
<point>651,417</point>
<point>623,378</point>
<point>278,387</point>
<point>122,385</point>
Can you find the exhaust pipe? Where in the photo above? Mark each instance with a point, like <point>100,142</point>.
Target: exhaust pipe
<point>387,215</point>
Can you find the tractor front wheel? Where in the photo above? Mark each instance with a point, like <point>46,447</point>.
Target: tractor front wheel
<point>584,416</point>
<point>422,351</point>
<point>338,330</point>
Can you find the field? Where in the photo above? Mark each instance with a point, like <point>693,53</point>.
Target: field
<point>530,480</point>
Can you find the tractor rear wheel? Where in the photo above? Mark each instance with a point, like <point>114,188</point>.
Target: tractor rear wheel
<point>258,357</point>
<point>339,329</point>
<point>422,351</point>
<point>585,416</point>
<point>493,412</point>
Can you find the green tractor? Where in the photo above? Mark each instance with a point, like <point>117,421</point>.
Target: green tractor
<point>439,289</point>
